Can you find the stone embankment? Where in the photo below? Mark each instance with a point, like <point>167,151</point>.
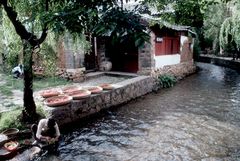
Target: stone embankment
<point>125,91</point>
<point>221,61</point>
<point>180,71</point>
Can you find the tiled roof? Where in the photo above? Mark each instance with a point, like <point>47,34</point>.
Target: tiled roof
<point>153,20</point>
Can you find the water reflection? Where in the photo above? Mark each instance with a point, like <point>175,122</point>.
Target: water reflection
<point>198,119</point>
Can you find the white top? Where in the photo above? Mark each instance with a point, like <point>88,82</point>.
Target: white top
<point>42,125</point>
<point>17,68</point>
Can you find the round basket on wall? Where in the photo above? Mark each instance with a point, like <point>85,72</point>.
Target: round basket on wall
<point>50,93</point>
<point>94,89</point>
<point>70,89</point>
<point>106,86</point>
<point>58,100</point>
<point>81,94</point>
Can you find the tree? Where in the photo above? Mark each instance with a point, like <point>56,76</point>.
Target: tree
<point>122,26</point>
<point>33,19</point>
<point>221,25</point>
<point>188,13</point>
<point>183,12</point>
<point>213,19</point>
<point>230,28</point>
<point>30,42</point>
<point>24,16</point>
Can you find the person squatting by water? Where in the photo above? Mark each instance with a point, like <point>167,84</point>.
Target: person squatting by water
<point>46,135</point>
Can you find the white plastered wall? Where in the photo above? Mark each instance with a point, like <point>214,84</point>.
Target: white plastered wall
<point>162,60</point>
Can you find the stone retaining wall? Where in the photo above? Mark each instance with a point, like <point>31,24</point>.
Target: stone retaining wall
<point>75,75</point>
<point>125,91</point>
<point>221,61</point>
<point>179,70</point>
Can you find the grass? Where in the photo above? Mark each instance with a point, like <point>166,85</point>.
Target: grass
<point>11,119</point>
<point>41,83</point>
<point>5,90</point>
<point>38,84</point>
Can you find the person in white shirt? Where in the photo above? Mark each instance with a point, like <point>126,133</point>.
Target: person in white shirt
<point>17,71</point>
<point>46,132</point>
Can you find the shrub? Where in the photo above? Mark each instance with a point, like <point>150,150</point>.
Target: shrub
<point>166,81</point>
<point>11,119</point>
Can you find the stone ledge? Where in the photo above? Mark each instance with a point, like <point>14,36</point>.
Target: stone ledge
<point>125,91</point>
<point>221,61</point>
<point>179,70</point>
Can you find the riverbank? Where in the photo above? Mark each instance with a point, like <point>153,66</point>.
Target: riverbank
<point>220,61</point>
<point>197,119</point>
<point>125,91</point>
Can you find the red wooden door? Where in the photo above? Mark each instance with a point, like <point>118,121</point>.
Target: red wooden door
<point>169,45</point>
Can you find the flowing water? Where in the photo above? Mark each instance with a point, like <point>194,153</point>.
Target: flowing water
<point>198,119</point>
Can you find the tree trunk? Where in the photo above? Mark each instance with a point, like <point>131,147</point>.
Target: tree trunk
<point>30,41</point>
<point>29,112</point>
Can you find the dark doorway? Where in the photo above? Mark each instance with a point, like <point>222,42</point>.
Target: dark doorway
<point>124,56</point>
<point>90,60</point>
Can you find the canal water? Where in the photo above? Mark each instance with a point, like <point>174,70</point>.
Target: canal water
<point>198,119</point>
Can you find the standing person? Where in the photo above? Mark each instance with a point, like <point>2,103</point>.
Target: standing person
<point>47,132</point>
<point>238,54</point>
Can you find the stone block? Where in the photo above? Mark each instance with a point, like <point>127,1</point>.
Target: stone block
<point>145,63</point>
<point>62,114</point>
<point>106,99</point>
<point>78,79</point>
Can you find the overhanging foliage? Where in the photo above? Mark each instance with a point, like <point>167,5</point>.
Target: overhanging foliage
<point>121,26</point>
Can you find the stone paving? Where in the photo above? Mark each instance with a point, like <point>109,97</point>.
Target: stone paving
<point>180,70</point>
<point>92,79</point>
